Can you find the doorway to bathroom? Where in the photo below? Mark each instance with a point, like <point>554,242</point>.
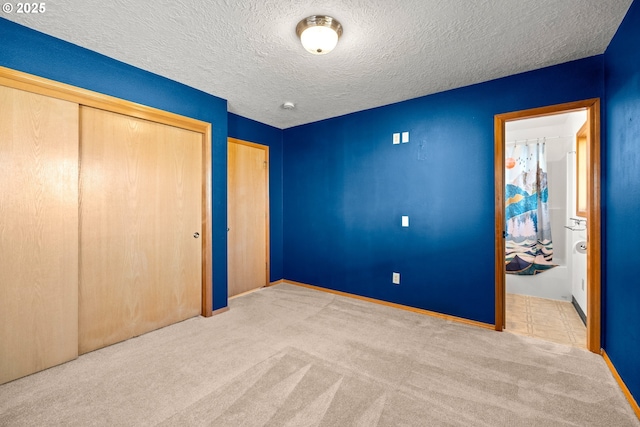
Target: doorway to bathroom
<point>547,175</point>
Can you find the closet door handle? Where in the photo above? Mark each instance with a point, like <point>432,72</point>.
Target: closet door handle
<point>196,235</point>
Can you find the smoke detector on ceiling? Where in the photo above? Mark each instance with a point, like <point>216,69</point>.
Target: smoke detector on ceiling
<point>288,105</point>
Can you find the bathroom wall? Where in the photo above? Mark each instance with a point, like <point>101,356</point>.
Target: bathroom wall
<point>558,131</point>
<point>576,261</point>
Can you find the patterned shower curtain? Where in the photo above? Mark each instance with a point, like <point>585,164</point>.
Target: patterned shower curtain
<point>529,249</point>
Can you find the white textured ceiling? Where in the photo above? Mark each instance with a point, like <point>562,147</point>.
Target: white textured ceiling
<point>392,50</point>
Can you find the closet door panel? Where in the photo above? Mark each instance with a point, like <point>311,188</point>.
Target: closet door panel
<point>141,193</point>
<point>247,209</point>
<point>38,232</point>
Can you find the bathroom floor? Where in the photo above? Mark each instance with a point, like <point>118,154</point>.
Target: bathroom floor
<point>551,320</point>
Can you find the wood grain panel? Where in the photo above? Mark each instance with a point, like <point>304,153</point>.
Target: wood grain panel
<point>594,232</point>
<point>38,232</point>
<point>141,192</point>
<point>207,227</point>
<point>582,170</point>
<point>54,89</point>
<point>500,224</point>
<point>247,216</point>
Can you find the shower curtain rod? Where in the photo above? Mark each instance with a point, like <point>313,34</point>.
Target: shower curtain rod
<point>544,138</point>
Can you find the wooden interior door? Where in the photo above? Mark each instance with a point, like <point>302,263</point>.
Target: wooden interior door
<point>248,218</point>
<point>38,232</point>
<point>140,207</point>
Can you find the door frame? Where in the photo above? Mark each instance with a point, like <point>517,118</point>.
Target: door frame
<point>594,214</point>
<point>35,84</point>
<point>267,237</point>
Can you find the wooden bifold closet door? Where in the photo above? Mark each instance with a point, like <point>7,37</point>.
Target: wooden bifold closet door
<point>38,232</point>
<point>140,221</point>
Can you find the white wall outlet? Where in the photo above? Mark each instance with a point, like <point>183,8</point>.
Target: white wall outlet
<point>396,278</point>
<point>396,138</point>
<point>405,221</point>
<point>405,137</point>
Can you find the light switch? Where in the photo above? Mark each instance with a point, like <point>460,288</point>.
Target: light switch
<point>405,137</point>
<point>396,138</point>
<point>396,278</point>
<point>405,221</point>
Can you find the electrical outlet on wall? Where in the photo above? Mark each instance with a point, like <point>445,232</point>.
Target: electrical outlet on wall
<point>396,278</point>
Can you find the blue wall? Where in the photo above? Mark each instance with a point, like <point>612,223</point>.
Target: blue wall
<point>339,187</point>
<point>346,187</point>
<point>621,294</point>
<point>33,52</point>
<point>252,131</point>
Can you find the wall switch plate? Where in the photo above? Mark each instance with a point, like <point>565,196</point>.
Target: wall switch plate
<point>396,278</point>
<point>583,284</point>
<point>405,137</point>
<point>396,138</point>
<point>405,221</point>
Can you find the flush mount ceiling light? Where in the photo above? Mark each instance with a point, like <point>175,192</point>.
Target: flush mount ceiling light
<point>319,34</point>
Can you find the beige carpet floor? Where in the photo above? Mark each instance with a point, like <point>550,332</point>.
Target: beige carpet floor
<point>291,356</point>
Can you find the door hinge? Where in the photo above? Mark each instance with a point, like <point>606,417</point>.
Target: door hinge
<point>504,234</point>
<point>265,164</point>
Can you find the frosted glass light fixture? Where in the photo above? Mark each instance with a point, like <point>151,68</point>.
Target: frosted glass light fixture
<point>319,34</point>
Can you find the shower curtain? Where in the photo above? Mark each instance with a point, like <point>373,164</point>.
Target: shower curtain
<point>529,249</point>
